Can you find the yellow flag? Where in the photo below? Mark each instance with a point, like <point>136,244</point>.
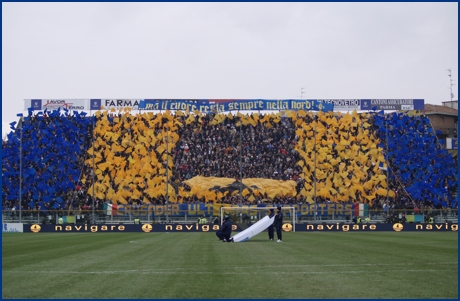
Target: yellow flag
<point>212,195</point>
<point>301,113</point>
<point>190,119</point>
<point>381,191</point>
<point>272,194</point>
<point>160,149</point>
<point>121,200</point>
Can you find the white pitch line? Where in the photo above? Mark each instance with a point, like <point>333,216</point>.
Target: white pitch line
<point>347,265</point>
<point>320,265</point>
<point>212,273</point>
<point>196,270</point>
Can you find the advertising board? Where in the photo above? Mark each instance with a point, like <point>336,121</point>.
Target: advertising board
<point>12,227</point>
<point>287,227</point>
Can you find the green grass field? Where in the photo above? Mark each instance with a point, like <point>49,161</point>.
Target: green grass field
<point>196,265</point>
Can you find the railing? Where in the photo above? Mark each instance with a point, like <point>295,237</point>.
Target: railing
<point>382,215</point>
<point>101,217</point>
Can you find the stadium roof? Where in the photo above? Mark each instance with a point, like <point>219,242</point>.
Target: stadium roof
<point>439,110</point>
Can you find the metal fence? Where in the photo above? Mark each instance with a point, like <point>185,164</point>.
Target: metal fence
<point>101,217</point>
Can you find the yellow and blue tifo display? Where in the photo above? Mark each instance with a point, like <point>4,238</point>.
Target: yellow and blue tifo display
<point>337,157</point>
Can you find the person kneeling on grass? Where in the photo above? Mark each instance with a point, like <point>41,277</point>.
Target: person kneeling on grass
<point>226,230</point>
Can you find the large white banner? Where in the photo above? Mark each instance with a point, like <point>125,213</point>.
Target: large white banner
<point>12,227</point>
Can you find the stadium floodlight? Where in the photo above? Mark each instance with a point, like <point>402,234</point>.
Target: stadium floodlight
<point>450,86</point>
<point>20,170</point>
<point>167,176</point>
<point>94,171</point>
<point>241,162</point>
<point>387,158</point>
<point>314,170</point>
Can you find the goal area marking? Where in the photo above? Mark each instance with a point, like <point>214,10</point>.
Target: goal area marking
<point>259,213</point>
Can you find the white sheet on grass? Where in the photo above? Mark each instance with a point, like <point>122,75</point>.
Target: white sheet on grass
<point>253,230</point>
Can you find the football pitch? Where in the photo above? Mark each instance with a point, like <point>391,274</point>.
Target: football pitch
<point>305,265</point>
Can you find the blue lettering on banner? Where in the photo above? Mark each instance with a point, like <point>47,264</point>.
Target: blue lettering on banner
<point>196,210</point>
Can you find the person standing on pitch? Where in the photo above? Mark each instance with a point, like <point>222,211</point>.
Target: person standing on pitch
<point>271,232</point>
<point>278,223</point>
<point>226,230</point>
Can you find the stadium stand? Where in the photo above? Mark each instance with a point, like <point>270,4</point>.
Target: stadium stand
<point>420,166</point>
<point>53,149</point>
<point>134,156</point>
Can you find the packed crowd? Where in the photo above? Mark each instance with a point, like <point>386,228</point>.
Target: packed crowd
<point>132,158</point>
<point>51,158</point>
<point>426,171</point>
<point>236,151</point>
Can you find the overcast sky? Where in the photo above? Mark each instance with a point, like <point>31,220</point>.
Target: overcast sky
<point>227,50</point>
